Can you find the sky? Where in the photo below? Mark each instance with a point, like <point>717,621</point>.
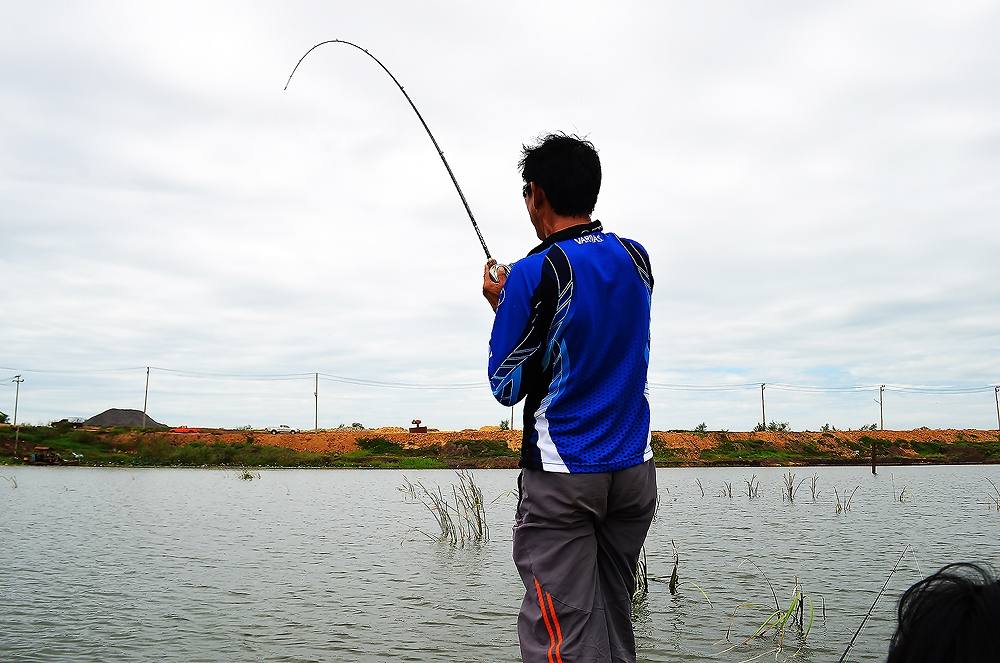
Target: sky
<point>818,186</point>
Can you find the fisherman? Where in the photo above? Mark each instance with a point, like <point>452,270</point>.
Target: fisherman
<point>571,338</point>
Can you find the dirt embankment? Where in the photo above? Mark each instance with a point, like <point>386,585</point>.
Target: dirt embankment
<point>921,445</point>
<point>341,441</point>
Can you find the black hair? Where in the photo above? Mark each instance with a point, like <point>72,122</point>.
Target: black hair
<point>950,616</point>
<point>567,169</point>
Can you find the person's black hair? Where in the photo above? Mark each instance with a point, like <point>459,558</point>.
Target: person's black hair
<point>567,169</point>
<point>952,615</point>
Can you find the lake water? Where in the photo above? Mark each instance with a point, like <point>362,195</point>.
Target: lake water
<point>325,565</point>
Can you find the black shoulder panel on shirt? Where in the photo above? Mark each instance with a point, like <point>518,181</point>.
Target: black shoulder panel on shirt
<point>641,260</point>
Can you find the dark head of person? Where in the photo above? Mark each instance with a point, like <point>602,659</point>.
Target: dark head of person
<point>953,615</point>
<point>567,169</point>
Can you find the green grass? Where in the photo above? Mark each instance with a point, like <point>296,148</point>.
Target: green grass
<point>155,449</point>
<point>745,452</point>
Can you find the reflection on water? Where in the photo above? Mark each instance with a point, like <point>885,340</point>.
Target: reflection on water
<point>326,565</point>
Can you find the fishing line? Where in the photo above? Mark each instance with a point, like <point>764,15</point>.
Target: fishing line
<point>494,268</point>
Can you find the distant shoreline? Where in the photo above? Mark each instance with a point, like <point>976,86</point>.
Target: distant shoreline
<point>486,448</point>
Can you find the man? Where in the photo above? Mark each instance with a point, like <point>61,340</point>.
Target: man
<point>951,615</point>
<point>571,337</point>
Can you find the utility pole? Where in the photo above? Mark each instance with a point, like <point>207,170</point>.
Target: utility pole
<point>881,397</point>
<point>17,394</point>
<point>763,417</point>
<point>316,398</point>
<point>145,400</point>
<point>996,397</point>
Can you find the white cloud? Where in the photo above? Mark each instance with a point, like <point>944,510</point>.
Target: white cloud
<point>817,185</point>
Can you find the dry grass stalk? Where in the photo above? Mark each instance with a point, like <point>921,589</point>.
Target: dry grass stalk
<point>701,486</point>
<point>641,578</point>
<point>994,501</point>
<point>789,487</point>
<point>845,504</point>
<point>753,486</point>
<point>460,520</point>
<point>903,495</point>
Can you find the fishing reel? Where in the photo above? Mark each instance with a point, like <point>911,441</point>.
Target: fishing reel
<point>495,269</point>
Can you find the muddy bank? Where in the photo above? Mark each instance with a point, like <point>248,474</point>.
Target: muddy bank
<point>490,447</point>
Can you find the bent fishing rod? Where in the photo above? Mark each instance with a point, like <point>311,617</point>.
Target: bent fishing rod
<point>495,267</point>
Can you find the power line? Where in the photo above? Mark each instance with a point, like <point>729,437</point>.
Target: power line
<point>73,371</point>
<point>394,384</point>
<point>401,385</point>
<point>703,387</point>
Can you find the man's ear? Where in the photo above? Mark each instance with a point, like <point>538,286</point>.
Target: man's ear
<point>537,197</point>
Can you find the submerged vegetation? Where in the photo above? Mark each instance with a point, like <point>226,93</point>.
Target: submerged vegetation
<point>461,518</point>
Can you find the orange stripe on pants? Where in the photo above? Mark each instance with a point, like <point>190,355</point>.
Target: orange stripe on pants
<point>555,619</point>
<point>545,618</point>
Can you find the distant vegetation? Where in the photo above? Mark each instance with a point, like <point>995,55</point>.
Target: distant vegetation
<point>127,447</point>
<point>110,447</point>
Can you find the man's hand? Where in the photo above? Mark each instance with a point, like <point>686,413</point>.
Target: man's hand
<point>491,290</point>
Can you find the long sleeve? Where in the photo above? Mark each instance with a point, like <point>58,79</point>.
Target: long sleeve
<point>517,338</point>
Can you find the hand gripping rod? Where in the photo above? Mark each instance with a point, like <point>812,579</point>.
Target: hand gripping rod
<point>419,116</point>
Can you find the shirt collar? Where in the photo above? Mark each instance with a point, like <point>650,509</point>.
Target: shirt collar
<point>568,233</point>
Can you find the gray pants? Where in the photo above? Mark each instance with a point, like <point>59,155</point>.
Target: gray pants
<point>577,538</point>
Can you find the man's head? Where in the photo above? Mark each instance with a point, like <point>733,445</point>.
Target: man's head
<point>950,616</point>
<point>562,176</point>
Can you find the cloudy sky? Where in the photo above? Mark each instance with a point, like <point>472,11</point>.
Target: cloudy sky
<point>818,185</point>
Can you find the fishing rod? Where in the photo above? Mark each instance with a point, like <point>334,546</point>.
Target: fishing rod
<point>495,267</point>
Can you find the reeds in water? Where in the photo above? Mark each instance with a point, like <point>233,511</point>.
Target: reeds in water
<point>640,578</point>
<point>727,489</point>
<point>789,487</point>
<point>797,614</point>
<point>813,486</point>
<point>460,519</point>
<point>244,473</point>
<point>753,486</point>
<point>701,486</point>
<point>903,495</point>
<point>843,505</point>
<point>993,503</point>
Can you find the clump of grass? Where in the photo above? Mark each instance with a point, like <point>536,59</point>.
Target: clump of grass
<point>813,485</point>
<point>672,585</point>
<point>379,445</point>
<point>408,490</point>
<point>244,474</point>
<point>753,486</point>
<point>640,578</point>
<point>460,520</point>
<point>994,501</point>
<point>845,504</point>
<point>789,488</point>
<point>727,489</point>
<point>780,620</point>
<point>903,495</point>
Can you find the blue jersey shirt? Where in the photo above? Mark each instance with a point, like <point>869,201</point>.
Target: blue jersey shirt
<point>571,337</point>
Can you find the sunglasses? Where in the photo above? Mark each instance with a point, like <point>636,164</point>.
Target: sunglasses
<point>526,189</point>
